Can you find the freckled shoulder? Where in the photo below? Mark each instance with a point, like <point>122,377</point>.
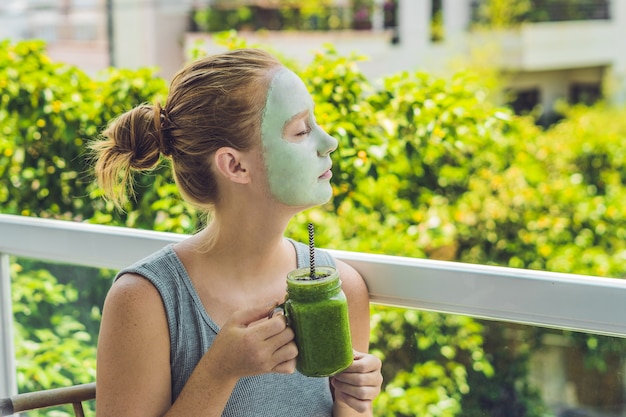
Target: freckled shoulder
<point>351,280</point>
<point>133,351</point>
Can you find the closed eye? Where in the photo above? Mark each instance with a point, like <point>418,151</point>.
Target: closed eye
<point>304,132</point>
<point>298,127</point>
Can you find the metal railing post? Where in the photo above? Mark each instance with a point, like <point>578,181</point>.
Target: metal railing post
<point>8,383</point>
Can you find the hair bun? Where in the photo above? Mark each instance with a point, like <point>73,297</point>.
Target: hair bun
<point>162,125</point>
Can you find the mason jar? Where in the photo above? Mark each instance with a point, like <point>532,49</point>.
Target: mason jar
<point>317,311</point>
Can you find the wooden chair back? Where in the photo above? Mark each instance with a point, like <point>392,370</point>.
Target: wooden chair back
<point>74,395</point>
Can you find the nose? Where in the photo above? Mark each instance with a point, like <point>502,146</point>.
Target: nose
<point>326,143</point>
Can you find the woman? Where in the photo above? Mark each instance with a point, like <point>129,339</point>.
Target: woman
<point>185,332</point>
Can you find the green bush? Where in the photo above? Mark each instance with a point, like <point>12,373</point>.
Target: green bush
<point>426,167</point>
<point>55,342</point>
<point>408,153</point>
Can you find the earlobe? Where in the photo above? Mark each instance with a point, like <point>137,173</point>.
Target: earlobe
<point>228,162</point>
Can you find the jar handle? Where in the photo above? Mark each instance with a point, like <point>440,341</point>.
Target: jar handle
<point>280,310</point>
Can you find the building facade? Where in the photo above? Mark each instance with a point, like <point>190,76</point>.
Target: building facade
<point>577,60</point>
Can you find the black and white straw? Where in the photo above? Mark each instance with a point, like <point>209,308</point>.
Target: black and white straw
<point>312,250</point>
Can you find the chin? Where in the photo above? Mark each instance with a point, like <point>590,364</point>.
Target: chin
<point>323,199</point>
<point>322,196</point>
<point>308,205</point>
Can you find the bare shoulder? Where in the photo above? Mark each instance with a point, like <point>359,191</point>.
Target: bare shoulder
<point>133,371</point>
<point>133,308</point>
<point>133,299</point>
<point>351,280</point>
<point>130,289</point>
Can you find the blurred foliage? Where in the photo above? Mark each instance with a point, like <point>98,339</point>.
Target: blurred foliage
<point>502,14</point>
<point>283,15</point>
<point>48,112</point>
<point>565,10</point>
<point>426,167</point>
<point>53,345</point>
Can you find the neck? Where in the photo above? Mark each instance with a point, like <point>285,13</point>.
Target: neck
<point>241,240</point>
<point>248,235</point>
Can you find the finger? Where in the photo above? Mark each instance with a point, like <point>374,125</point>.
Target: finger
<point>287,367</point>
<point>364,363</point>
<point>285,355</point>
<point>358,398</point>
<point>266,329</point>
<point>280,317</point>
<point>248,316</point>
<point>362,386</point>
<point>277,311</point>
<point>281,334</point>
<point>366,389</point>
<point>274,327</point>
<point>352,383</point>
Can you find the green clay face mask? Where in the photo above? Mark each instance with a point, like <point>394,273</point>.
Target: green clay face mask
<point>296,150</point>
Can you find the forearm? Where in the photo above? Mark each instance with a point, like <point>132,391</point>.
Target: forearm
<point>239,350</point>
<point>206,392</point>
<point>201,398</point>
<point>342,410</point>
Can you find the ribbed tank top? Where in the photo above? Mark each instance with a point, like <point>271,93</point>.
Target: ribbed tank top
<point>192,332</point>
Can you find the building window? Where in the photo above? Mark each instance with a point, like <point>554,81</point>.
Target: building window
<point>436,21</point>
<point>483,11</point>
<point>390,16</point>
<point>584,93</point>
<point>524,101</point>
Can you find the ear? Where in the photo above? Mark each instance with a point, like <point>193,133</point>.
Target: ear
<point>229,163</point>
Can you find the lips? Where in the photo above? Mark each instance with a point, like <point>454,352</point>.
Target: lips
<point>327,174</point>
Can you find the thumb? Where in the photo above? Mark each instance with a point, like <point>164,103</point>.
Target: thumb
<point>247,316</point>
<point>356,355</point>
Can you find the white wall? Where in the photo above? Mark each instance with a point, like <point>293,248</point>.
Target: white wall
<point>150,33</point>
<point>13,19</point>
<point>617,76</point>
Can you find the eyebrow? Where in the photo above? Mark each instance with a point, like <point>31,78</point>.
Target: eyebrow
<point>295,117</point>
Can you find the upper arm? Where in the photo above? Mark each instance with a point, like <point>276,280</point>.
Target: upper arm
<point>133,365</point>
<point>358,305</point>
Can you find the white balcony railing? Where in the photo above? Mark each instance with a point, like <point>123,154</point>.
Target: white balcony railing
<point>583,303</point>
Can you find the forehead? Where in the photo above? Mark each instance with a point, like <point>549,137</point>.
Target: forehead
<point>287,94</point>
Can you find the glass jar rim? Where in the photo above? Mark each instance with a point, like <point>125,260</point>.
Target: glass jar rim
<point>330,271</point>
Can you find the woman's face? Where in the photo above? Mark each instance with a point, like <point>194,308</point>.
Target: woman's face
<point>296,150</point>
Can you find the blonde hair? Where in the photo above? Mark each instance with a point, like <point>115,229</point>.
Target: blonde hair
<point>213,102</point>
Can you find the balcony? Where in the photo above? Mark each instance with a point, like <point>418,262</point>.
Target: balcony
<point>552,46</point>
<point>556,10</point>
<point>554,35</point>
<point>559,301</point>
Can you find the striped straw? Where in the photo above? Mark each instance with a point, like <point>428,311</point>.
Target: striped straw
<point>312,250</point>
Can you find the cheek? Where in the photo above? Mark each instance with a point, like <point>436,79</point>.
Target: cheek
<point>290,164</point>
<point>281,155</point>
<point>293,177</point>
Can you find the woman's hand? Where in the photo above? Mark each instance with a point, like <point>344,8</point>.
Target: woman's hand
<point>359,385</point>
<point>250,343</point>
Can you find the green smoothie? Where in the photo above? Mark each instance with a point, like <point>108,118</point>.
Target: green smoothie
<point>318,314</point>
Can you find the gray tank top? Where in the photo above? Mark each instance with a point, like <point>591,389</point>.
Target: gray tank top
<point>192,332</point>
